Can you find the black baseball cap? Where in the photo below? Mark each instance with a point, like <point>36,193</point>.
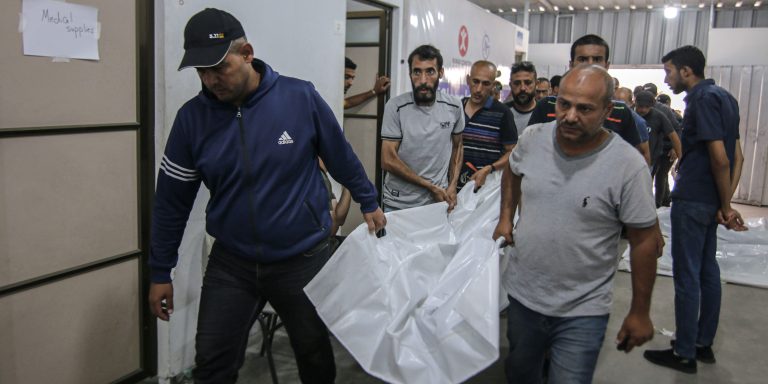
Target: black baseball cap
<point>208,36</point>
<point>651,87</point>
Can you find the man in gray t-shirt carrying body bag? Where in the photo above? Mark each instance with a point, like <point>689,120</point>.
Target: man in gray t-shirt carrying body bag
<point>581,183</point>
<point>421,138</point>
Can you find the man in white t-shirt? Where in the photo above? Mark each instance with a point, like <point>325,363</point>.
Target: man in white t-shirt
<point>580,183</point>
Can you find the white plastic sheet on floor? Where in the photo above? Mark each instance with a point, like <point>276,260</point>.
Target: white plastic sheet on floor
<point>421,304</point>
<point>742,256</point>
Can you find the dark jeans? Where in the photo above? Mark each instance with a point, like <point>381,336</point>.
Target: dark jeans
<point>696,275</point>
<point>573,342</point>
<point>234,293</point>
<point>660,174</point>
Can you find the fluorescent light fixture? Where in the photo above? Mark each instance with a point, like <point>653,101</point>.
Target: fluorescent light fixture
<point>586,8</point>
<point>670,12</point>
<point>738,4</point>
<point>542,9</point>
<point>601,8</point>
<point>701,5</point>
<point>501,10</point>
<point>683,6</point>
<point>616,7</point>
<point>570,7</point>
<point>758,3</point>
<point>650,6</point>
<point>514,10</point>
<point>633,7</point>
<point>488,10</point>
<point>556,8</point>
<point>719,5</point>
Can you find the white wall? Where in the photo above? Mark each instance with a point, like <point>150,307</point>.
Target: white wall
<point>549,54</point>
<point>438,22</point>
<point>737,46</point>
<point>303,39</point>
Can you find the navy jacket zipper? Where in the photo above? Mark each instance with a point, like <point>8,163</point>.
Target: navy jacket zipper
<point>247,177</point>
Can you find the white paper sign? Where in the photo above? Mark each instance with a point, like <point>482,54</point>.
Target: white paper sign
<point>59,29</point>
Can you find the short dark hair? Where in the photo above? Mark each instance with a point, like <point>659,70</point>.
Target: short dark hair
<point>349,63</point>
<point>687,56</point>
<point>590,40</point>
<point>664,99</point>
<point>426,52</point>
<point>555,81</point>
<point>540,79</point>
<point>523,66</point>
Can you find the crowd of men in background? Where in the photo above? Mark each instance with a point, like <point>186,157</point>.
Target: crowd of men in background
<point>574,163</point>
<point>578,155</point>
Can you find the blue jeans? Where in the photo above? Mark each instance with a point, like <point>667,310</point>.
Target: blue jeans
<point>696,275</point>
<point>233,294</point>
<point>574,344</point>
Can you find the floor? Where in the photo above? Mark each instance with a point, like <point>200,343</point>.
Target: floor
<point>741,345</point>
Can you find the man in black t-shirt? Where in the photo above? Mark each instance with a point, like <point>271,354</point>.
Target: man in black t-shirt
<point>592,49</point>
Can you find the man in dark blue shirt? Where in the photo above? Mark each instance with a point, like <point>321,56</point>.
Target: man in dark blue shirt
<point>708,174</point>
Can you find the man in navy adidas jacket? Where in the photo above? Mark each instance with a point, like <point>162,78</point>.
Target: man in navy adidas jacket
<point>253,138</point>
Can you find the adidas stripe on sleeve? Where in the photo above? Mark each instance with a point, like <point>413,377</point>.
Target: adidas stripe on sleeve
<point>178,172</point>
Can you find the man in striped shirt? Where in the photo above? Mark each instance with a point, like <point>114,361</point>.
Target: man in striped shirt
<point>490,132</point>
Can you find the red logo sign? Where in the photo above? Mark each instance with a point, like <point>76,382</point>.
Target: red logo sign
<point>463,41</point>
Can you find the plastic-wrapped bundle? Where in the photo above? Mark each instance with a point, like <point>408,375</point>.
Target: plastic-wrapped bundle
<point>419,305</point>
<point>742,256</point>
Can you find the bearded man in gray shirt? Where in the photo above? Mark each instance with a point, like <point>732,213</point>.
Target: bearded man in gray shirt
<point>421,147</point>
<point>579,183</point>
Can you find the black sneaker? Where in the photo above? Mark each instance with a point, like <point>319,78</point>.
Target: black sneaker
<point>667,358</point>
<point>703,354</point>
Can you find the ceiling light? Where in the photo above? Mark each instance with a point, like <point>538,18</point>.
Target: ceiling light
<point>683,6</point>
<point>601,8</point>
<point>632,6</point>
<point>556,8</point>
<point>758,2</point>
<point>542,9</point>
<point>586,8</point>
<point>719,5</point>
<point>514,10</point>
<point>616,7</point>
<point>701,5</point>
<point>570,7</point>
<point>670,12</point>
<point>488,10</point>
<point>650,6</point>
<point>501,10</point>
<point>738,4</point>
